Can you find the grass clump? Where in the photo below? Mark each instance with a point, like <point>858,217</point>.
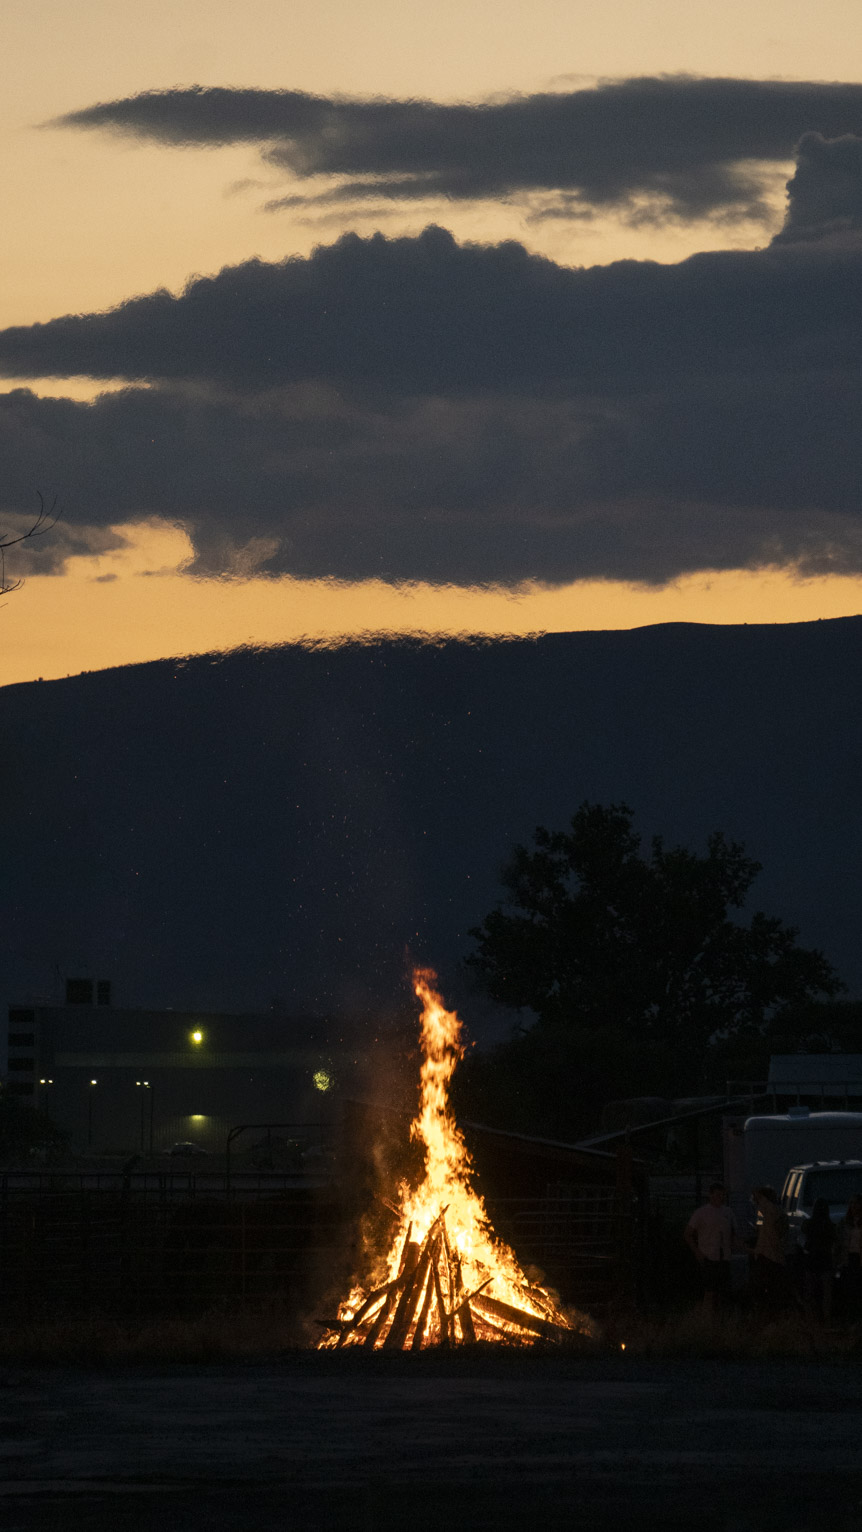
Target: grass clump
<point>736,1335</point>
<point>217,1335</point>
<point>269,1330</point>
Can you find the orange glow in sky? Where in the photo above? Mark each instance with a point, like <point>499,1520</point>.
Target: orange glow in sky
<point>135,604</point>
<point>91,219</point>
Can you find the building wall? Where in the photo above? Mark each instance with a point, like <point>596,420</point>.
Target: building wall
<point>126,1080</point>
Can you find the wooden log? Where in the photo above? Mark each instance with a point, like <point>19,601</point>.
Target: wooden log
<point>409,1252</point>
<point>541,1302</point>
<point>405,1249</point>
<point>406,1307</point>
<point>403,1285</point>
<point>487,1329</point>
<point>422,1321</point>
<point>412,1292</point>
<point>464,1313</point>
<point>379,1322</point>
<point>453,1269</point>
<point>442,1316</point>
<point>365,1309</point>
<point>465,1320</point>
<point>520,1317</point>
<point>475,1291</point>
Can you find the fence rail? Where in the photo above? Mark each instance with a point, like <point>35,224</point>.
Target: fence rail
<point>576,1242</point>
<point>164,1185</point>
<point>153,1243</point>
<point>159,1244</point>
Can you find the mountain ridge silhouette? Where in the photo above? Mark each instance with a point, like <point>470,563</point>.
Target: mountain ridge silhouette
<point>303,821</point>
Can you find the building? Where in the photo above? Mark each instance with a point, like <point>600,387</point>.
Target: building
<point>136,1080</point>
<point>818,1080</point>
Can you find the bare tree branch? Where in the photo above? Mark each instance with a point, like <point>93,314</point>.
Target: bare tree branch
<point>47,518</point>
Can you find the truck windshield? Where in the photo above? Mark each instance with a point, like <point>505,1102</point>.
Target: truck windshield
<point>837,1184</point>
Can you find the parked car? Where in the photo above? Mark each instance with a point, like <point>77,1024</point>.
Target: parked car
<point>186,1150</point>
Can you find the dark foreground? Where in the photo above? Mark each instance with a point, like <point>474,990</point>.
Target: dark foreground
<point>406,1444</point>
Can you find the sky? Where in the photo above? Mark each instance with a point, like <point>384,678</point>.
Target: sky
<point>339,318</point>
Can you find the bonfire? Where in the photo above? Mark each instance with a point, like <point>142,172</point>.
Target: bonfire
<point>446,1278</point>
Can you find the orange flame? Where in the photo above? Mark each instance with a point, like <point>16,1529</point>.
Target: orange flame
<point>483,1259</point>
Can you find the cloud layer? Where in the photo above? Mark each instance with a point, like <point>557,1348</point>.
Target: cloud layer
<point>427,316</point>
<point>416,409</point>
<point>476,491</point>
<point>672,146</point>
<point>824,197</point>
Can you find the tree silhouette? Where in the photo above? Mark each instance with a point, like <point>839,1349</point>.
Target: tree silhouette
<point>639,956</point>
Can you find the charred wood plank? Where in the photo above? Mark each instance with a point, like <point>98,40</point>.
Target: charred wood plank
<point>465,1320</point>
<point>474,1292</point>
<point>365,1309</point>
<point>488,1329</point>
<point>464,1313</point>
<point>422,1321</point>
<point>409,1252</point>
<point>405,1249</point>
<point>509,1315</point>
<point>406,1306</point>
<point>442,1316</point>
<point>453,1270</point>
<point>380,1319</point>
<point>412,1292</point>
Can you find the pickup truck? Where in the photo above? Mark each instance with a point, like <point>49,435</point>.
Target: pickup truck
<point>836,1180</point>
<point>767,1150</point>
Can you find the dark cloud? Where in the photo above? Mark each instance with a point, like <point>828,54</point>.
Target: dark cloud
<point>426,315</point>
<point>688,147</point>
<point>413,409</point>
<point>471,490</point>
<point>70,537</point>
<point>824,196</point>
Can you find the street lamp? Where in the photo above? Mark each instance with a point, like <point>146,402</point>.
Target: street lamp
<point>146,1086</point>
<point>90,1114</point>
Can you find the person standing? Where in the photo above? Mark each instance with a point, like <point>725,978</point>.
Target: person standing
<point>770,1287</point>
<point>712,1237</point>
<point>818,1254</point>
<point>850,1256</point>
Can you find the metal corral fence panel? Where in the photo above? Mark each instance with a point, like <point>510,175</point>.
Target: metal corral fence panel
<point>161,1244</point>
<point>671,1272</point>
<point>164,1246</point>
<point>579,1243</point>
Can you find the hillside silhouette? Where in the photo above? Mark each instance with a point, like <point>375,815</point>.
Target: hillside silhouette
<point>292,822</point>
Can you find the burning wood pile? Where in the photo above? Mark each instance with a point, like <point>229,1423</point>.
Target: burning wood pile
<point>446,1279</point>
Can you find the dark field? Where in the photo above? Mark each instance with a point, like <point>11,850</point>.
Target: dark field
<point>387,1444</point>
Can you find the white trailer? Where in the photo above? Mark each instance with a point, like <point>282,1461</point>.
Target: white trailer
<point>759,1151</point>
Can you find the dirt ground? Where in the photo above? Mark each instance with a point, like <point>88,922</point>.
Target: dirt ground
<point>405,1444</point>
